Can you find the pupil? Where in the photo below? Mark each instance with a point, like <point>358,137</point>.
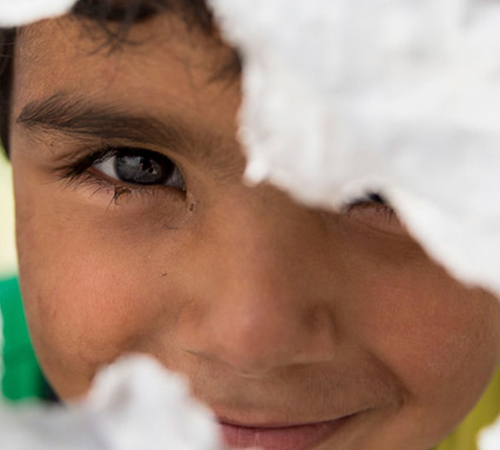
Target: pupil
<point>139,170</point>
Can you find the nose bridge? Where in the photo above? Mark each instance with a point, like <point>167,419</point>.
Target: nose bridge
<point>259,311</point>
<point>265,246</point>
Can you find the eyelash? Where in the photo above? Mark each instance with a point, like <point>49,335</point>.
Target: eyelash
<point>78,172</point>
<point>370,200</point>
<point>373,210</point>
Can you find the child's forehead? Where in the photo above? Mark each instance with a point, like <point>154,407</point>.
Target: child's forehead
<point>164,34</point>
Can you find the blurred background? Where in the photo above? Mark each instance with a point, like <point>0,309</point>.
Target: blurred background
<point>7,247</point>
<point>22,377</point>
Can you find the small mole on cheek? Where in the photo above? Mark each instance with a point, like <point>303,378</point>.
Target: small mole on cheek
<point>164,274</point>
<point>191,207</point>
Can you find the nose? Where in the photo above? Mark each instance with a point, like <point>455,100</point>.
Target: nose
<point>258,305</point>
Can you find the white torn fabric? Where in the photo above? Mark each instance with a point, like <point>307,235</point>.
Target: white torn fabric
<point>21,12</point>
<point>134,404</point>
<point>400,97</point>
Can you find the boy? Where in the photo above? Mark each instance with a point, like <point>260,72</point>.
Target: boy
<point>300,328</point>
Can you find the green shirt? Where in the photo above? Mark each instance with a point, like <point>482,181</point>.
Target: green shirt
<point>22,375</point>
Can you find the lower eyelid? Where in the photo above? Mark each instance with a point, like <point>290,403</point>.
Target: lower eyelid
<point>369,207</point>
<point>103,182</point>
<point>95,185</point>
<point>364,204</point>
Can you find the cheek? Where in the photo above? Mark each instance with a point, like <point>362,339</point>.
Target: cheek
<point>439,338</point>
<point>413,316</point>
<point>91,292</point>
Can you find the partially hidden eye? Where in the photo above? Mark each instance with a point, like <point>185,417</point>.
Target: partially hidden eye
<point>140,167</point>
<point>374,210</point>
<point>371,199</point>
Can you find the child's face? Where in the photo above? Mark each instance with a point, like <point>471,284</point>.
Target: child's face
<point>279,314</point>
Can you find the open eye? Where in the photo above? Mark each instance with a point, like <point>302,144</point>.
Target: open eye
<point>140,167</point>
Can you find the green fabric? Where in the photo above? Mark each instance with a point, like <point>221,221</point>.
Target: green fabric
<point>22,375</point>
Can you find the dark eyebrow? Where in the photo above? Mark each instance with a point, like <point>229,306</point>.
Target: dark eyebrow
<point>80,118</point>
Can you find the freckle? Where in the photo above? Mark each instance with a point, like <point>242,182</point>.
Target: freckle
<point>191,207</point>
<point>164,274</point>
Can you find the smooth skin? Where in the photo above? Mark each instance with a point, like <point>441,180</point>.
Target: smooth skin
<point>277,313</point>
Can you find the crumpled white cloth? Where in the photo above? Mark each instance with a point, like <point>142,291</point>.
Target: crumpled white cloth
<point>401,97</point>
<point>21,12</point>
<point>135,404</point>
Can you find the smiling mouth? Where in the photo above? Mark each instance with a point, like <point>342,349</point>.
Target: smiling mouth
<point>276,437</point>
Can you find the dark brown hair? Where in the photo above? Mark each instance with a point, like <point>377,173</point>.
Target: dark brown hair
<point>105,13</point>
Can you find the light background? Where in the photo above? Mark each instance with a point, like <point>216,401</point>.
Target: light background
<point>7,246</point>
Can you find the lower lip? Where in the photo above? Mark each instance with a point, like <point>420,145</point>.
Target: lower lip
<point>287,438</point>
